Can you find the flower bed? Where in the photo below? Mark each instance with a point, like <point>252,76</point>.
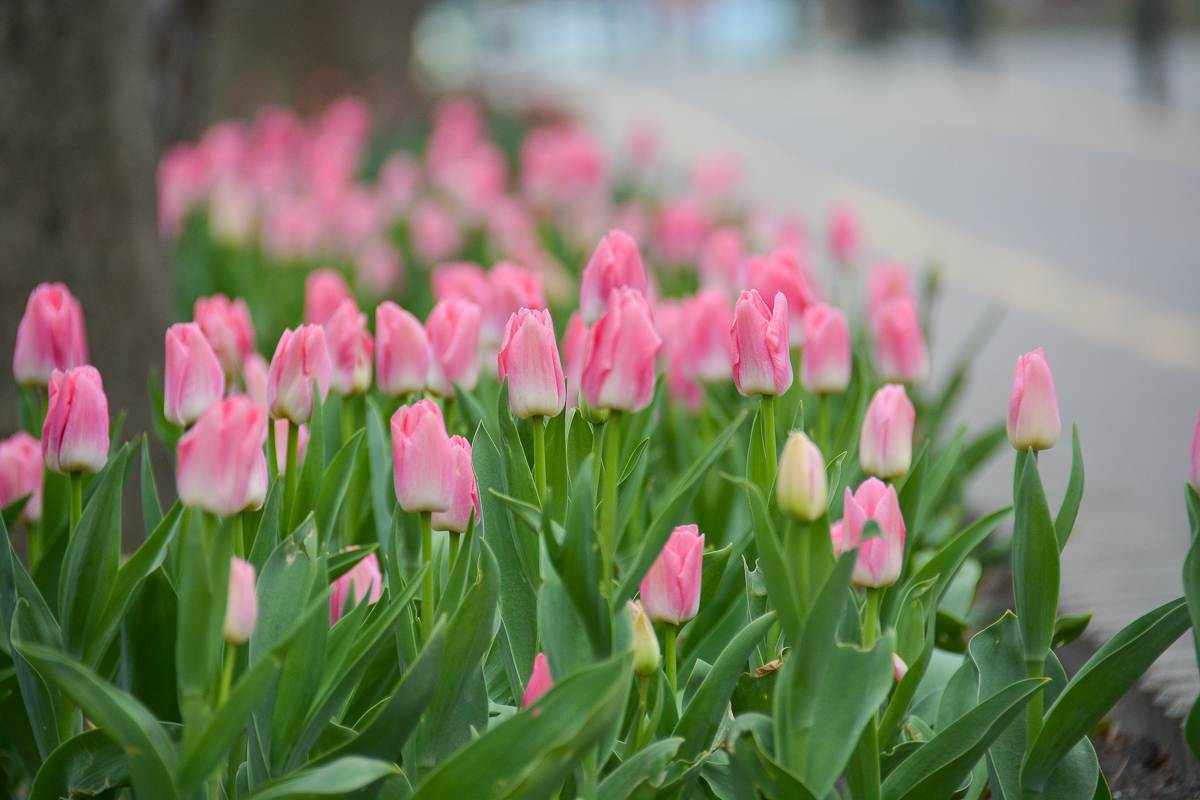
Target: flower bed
<point>631,513</point>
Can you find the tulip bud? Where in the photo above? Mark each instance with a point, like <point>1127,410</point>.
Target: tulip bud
<point>281,437</point>
<point>453,329</point>
<point>900,352</point>
<point>843,234</point>
<point>885,443</point>
<point>301,359</point>
<point>781,271</point>
<point>423,458</point>
<point>435,233</point>
<point>574,350</point>
<point>227,326</point>
<point>899,668</point>
<point>50,335</point>
<point>759,341</point>
<point>21,474</point>
<point>350,349</point>
<point>220,464</point>
<point>363,580</point>
<point>193,378</point>
<point>1033,422</point>
<point>615,263</point>
<point>540,681</point>
<point>671,589</point>
<point>646,655</point>
<point>879,558</point>
<point>461,280</point>
<point>254,375</point>
<point>402,354</point>
<point>513,288</point>
<point>1194,462</point>
<point>706,319</point>
<point>618,369</point>
<point>75,433</point>
<point>241,611</point>
<point>801,486</point>
<point>886,282</point>
<point>529,361</point>
<point>324,292</point>
<point>464,498</point>
<point>825,366</point>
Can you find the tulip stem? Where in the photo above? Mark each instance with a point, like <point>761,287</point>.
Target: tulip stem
<point>227,673</point>
<point>455,542</point>
<point>670,632</point>
<point>291,475</point>
<point>32,544</point>
<point>1033,711</point>
<point>823,402</point>
<point>539,456</point>
<point>768,438</point>
<point>426,518</point>
<point>870,619</point>
<point>608,501</point>
<point>76,500</point>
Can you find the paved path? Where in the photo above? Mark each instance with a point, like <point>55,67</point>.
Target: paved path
<point>1062,200</point>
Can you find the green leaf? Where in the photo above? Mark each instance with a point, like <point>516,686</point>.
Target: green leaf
<point>520,477</point>
<point>704,712</point>
<point>644,768</point>
<point>122,717</point>
<point>313,466</point>
<point>532,752</point>
<point>335,778</point>
<point>83,766</point>
<point>335,482</point>
<point>780,586</point>
<point>90,565</point>
<point>379,453</point>
<point>827,691</point>
<point>556,465</point>
<point>933,484</point>
<point>577,562</point>
<point>205,550</point>
<point>1069,510</point>
<point>144,561</point>
<point>677,499</point>
<point>1099,684</point>
<point>1191,591</point>
<point>1034,564</point>
<point>47,717</point>
<point>266,538</point>
<point>151,507</point>
<point>453,711</point>
<point>1070,627</point>
<point>942,764</point>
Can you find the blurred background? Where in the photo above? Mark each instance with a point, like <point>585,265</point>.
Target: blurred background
<point>1042,156</point>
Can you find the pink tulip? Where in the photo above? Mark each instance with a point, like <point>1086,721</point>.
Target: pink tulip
<point>255,376</point>
<point>574,350</point>
<point>900,353</point>
<point>461,280</point>
<point>885,443</point>
<point>680,231</point>
<point>676,355</point>
<point>232,211</point>
<point>350,349</point>
<point>843,234</point>
<point>782,271</point>
<point>762,363</point>
<point>363,580</point>
<point>642,145</point>
<point>75,433</point>
<point>21,474</point>
<point>453,328</point>
<point>722,261</point>
<point>615,263</point>
<point>513,287</point>
<point>293,227</point>
<point>194,379</point>
<point>707,317</point>
<point>220,464</point>
<point>227,326</point>
<point>540,681</point>
<point>879,558</point>
<point>324,292</point>
<point>715,177</point>
<point>423,458</point>
<point>435,234</point>
<point>618,369</point>
<point>529,361</point>
<point>825,365</point>
<point>1033,421</point>
<point>561,165</point>
<point>378,266</point>
<point>1194,461</point>
<point>241,609</point>
<point>281,438</point>
<point>887,281</point>
<point>50,335</point>
<point>899,668</point>
<point>399,179</point>
<point>671,589</point>
<point>464,498</point>
<point>402,353</point>
<point>300,365</point>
